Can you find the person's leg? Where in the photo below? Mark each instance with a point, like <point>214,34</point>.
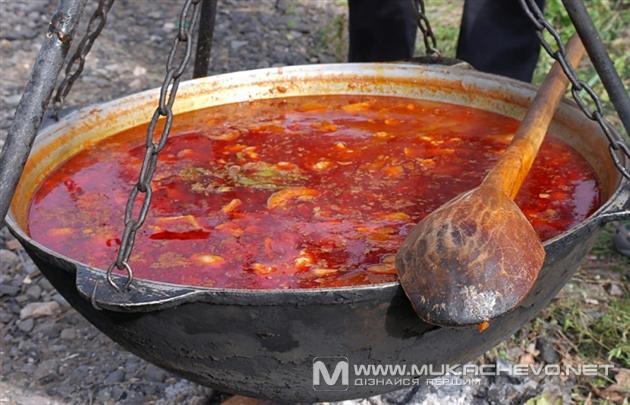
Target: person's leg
<point>496,36</point>
<point>381,30</point>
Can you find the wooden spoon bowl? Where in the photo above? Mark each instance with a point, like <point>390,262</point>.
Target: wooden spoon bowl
<point>462,281</point>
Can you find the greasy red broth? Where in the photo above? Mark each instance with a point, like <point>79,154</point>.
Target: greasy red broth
<point>299,192</point>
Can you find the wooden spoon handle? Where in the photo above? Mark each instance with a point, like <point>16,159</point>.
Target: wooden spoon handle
<point>512,168</point>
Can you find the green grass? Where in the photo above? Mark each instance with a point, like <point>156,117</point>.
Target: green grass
<point>597,336</point>
<point>335,37</point>
<point>446,36</point>
<point>605,255</point>
<point>612,18</point>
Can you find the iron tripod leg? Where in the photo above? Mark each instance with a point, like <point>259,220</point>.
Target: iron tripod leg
<point>30,110</point>
<point>599,57</point>
<point>204,38</point>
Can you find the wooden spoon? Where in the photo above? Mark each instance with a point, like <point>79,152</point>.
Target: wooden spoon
<point>477,256</point>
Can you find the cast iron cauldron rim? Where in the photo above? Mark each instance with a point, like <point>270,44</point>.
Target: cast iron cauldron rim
<point>321,295</point>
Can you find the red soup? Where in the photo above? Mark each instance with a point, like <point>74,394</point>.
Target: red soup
<point>299,192</point>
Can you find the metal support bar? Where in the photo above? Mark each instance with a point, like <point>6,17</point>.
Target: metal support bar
<point>599,57</point>
<point>204,37</point>
<point>30,110</point>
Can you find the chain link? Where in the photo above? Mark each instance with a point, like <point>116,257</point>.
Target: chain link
<point>430,43</point>
<point>141,193</point>
<point>584,96</point>
<point>77,60</point>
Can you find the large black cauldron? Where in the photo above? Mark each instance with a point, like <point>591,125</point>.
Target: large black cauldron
<point>262,343</point>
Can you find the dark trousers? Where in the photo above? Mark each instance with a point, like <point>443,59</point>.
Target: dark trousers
<point>381,30</point>
<point>495,35</point>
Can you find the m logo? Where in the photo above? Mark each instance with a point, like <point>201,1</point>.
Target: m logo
<point>331,373</point>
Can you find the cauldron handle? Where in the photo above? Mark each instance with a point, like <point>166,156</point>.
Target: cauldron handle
<point>140,296</point>
<point>621,215</point>
<point>622,211</point>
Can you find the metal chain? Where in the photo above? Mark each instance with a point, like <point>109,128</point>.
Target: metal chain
<point>430,43</point>
<point>77,60</point>
<point>579,88</point>
<point>187,18</point>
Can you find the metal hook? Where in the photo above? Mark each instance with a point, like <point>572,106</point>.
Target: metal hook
<point>93,298</point>
<point>111,281</point>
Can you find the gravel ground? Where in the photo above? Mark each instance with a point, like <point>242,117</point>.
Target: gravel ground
<point>48,353</point>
